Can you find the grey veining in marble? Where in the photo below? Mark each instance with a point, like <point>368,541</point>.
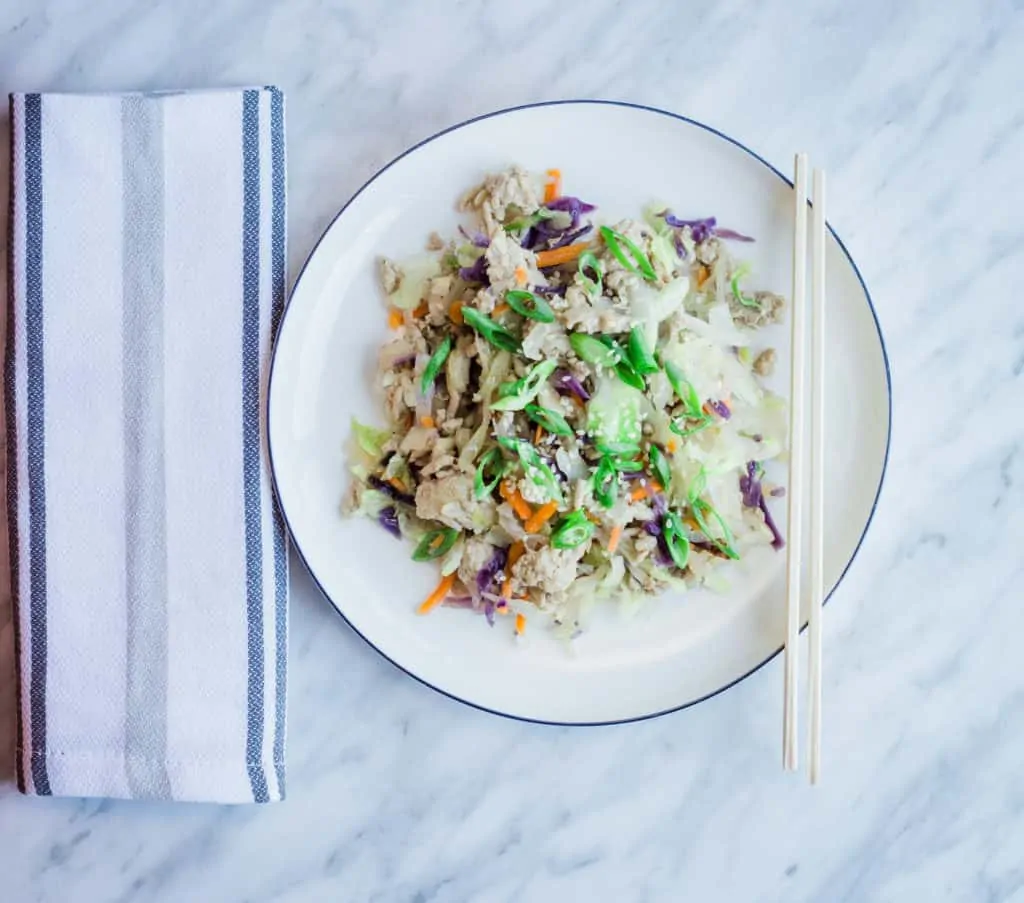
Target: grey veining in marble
<point>397,794</point>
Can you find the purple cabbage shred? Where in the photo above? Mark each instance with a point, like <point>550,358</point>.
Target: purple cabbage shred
<point>388,519</point>
<point>390,491</point>
<point>721,409</point>
<point>477,272</point>
<point>569,237</point>
<point>702,229</point>
<point>476,238</point>
<point>732,234</point>
<point>573,206</point>
<point>567,384</point>
<point>550,290</point>
<point>753,497</point>
<point>485,576</point>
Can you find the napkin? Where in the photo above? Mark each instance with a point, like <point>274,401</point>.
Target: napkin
<point>148,557</point>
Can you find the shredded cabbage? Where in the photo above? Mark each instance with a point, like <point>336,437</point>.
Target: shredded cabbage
<point>369,439</point>
<point>412,287</point>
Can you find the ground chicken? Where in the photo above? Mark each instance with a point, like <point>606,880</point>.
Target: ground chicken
<point>450,500</point>
<point>502,196</point>
<point>764,363</point>
<point>475,554</point>
<point>707,251</point>
<point>768,310</point>
<point>438,299</point>
<point>505,258</point>
<point>548,569</point>
<point>390,275</point>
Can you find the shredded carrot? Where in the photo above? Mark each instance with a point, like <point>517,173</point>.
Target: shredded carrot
<point>613,540</point>
<point>515,552</point>
<point>561,255</point>
<point>397,483</point>
<point>553,186</point>
<point>671,446</point>
<point>421,310</point>
<point>514,497</point>
<point>538,434</point>
<point>520,275</point>
<point>702,275</point>
<point>437,596</point>
<point>499,309</point>
<point>395,318</point>
<point>646,490</point>
<point>520,624</point>
<point>427,421</point>
<point>540,517</point>
<point>455,313</point>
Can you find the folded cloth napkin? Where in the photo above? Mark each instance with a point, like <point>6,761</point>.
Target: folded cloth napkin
<point>148,560</point>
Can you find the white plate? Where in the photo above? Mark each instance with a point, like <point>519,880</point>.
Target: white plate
<point>678,649</point>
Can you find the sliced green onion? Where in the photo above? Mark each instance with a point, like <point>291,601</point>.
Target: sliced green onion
<point>639,353</point>
<point>435,544</point>
<point>521,223</point>
<point>489,472</point>
<point>515,396</point>
<point>590,261</point>
<point>495,333</point>
<point>697,485</point>
<point>574,529</point>
<point>629,376</point>
<point>741,271</point>
<point>675,539</point>
<point>684,390</point>
<point>639,264</point>
<point>679,426</point>
<point>617,449</point>
<point>660,466</point>
<point>535,467</point>
<point>527,304</point>
<point>631,466</point>
<point>606,482</point>
<point>594,351</point>
<point>552,421</point>
<point>703,509</point>
<point>435,363</point>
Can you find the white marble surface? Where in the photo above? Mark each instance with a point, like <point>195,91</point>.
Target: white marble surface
<point>397,794</point>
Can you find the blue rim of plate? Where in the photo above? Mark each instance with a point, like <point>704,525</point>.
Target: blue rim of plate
<point>284,320</point>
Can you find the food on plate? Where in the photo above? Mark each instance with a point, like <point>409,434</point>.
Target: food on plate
<point>574,410</point>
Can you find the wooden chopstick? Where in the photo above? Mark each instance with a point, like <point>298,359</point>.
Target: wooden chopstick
<point>817,485</point>
<point>797,482</point>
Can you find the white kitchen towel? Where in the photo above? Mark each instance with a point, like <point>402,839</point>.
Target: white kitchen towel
<point>148,559</point>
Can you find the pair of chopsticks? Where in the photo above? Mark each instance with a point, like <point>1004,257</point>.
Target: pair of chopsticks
<point>806,482</point>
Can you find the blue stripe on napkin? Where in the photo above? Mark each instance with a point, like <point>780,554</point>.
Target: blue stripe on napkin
<point>251,435</point>
<point>277,244</point>
<point>36,433</point>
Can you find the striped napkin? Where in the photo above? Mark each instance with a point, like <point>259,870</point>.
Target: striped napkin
<point>148,560</point>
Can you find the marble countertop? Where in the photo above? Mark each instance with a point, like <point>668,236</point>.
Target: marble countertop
<point>398,794</point>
